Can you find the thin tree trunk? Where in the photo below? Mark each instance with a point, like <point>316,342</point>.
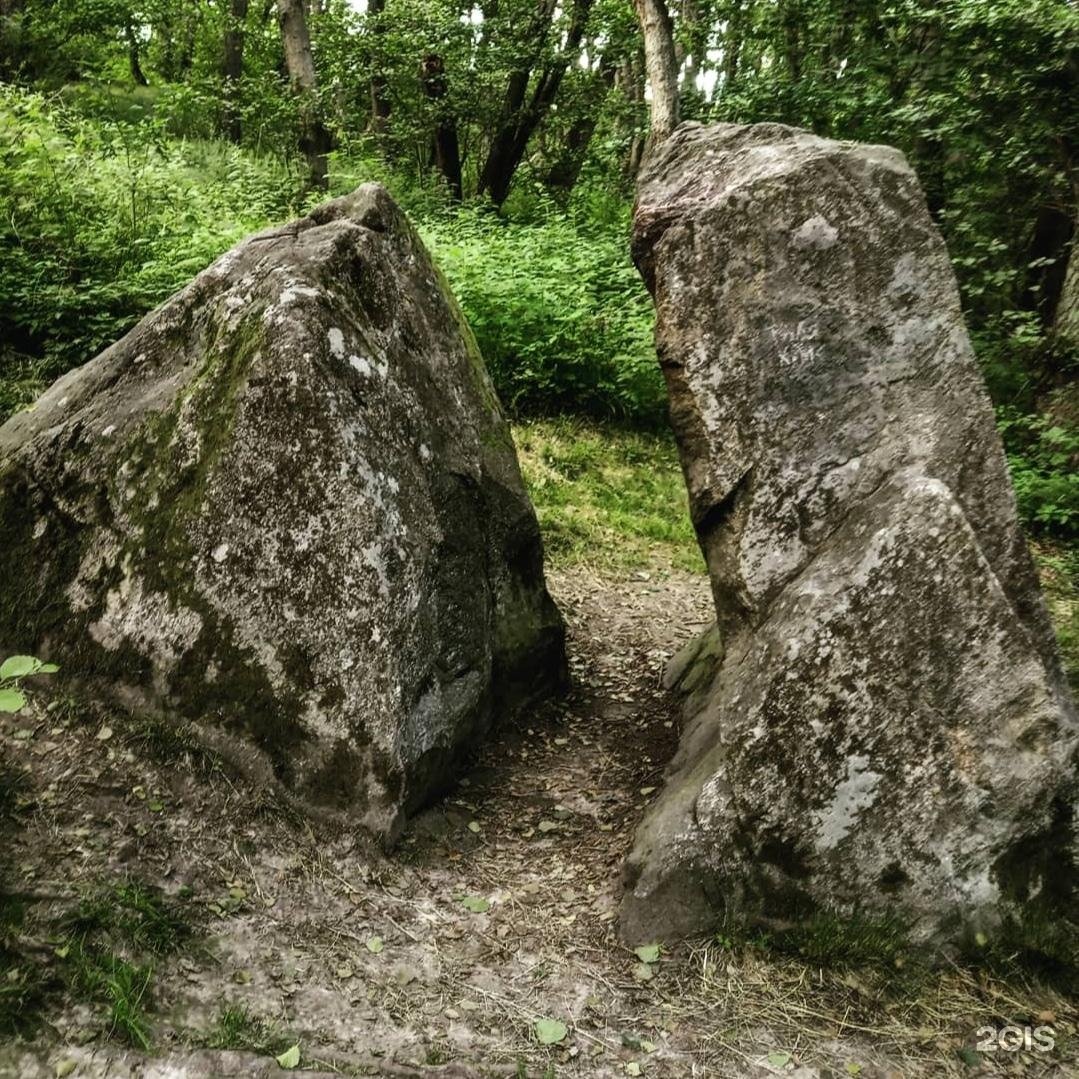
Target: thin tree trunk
<point>732,47</point>
<point>633,84</point>
<point>10,61</point>
<point>133,55</point>
<point>1066,314</point>
<point>445,148</point>
<point>566,170</point>
<point>315,140</point>
<point>496,174</point>
<point>1048,258</point>
<point>232,67</point>
<point>661,64</point>
<point>791,16</point>
<point>380,101</point>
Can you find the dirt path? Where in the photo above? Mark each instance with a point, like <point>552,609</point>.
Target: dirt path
<point>497,911</point>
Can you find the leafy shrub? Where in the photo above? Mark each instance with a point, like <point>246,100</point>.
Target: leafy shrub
<point>12,671</point>
<point>560,314</point>
<point>104,215</point>
<point>101,219</point>
<point>1044,461</point>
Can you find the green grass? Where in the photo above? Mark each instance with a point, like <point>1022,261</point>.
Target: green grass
<point>133,914</point>
<point>237,1028</point>
<point>102,953</point>
<point>101,976</point>
<point>606,497</point>
<point>104,941</point>
<point>1058,566</point>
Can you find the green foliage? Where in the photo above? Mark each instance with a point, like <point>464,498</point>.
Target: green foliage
<point>100,220</point>
<point>558,311</point>
<point>103,219</point>
<point>1044,461</point>
<point>12,671</point>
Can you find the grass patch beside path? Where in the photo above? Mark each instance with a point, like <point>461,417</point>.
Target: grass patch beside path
<point>606,497</point>
<point>1058,567</point>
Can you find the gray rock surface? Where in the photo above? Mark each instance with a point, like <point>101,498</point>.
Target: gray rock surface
<point>287,507</point>
<point>888,734</point>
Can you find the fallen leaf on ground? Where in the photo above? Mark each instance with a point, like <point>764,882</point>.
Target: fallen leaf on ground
<point>290,1058</point>
<point>550,1031</point>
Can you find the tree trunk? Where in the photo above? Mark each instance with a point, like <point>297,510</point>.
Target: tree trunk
<point>380,101</point>
<point>133,55</point>
<point>791,18</point>
<point>661,64</point>
<point>10,62</point>
<point>445,148</point>
<point>315,141</point>
<point>520,118</point>
<point>732,48</point>
<point>632,79</point>
<point>232,67</point>
<point>497,171</point>
<point>1066,315</point>
<point>565,171</point>
<point>1048,261</point>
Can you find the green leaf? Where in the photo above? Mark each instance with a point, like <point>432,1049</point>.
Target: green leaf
<point>18,666</point>
<point>648,953</point>
<point>475,904</point>
<point>290,1058</point>
<point>11,701</point>
<point>550,1031</point>
<point>47,668</point>
<point>779,1059</point>
<point>374,945</point>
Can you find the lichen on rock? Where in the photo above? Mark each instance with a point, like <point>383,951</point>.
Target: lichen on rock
<point>287,507</point>
<point>887,732</point>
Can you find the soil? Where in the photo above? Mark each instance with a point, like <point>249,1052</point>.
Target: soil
<point>497,910</point>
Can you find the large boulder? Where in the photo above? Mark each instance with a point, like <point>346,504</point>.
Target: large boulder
<point>287,507</point>
<point>887,734</point>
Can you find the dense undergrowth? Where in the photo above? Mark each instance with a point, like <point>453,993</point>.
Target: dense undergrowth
<point>105,211</point>
<point>104,217</point>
